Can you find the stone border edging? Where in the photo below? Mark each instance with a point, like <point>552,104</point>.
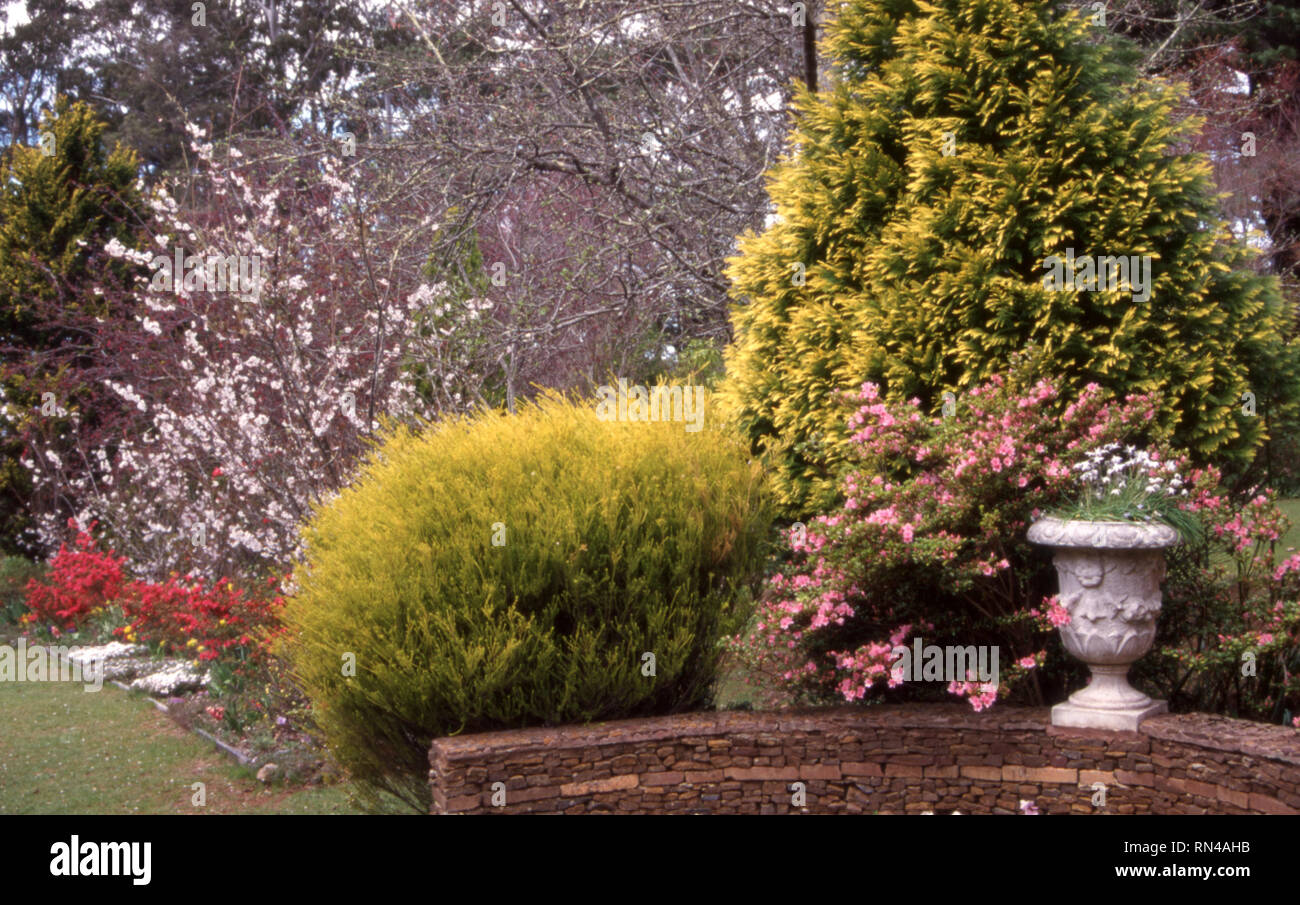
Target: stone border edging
<point>201,733</point>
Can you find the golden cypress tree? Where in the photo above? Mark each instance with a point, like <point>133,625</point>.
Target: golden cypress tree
<point>945,201</point>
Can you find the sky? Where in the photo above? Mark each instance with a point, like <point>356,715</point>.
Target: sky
<point>16,12</point>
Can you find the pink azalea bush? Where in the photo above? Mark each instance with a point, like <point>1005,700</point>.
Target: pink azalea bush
<point>929,543</point>
<point>1228,636</point>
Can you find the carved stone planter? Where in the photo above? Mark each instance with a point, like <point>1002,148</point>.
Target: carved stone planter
<point>1110,574</point>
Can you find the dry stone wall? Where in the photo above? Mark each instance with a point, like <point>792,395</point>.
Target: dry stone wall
<point>887,760</point>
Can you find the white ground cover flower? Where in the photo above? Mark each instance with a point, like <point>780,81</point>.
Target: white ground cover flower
<point>175,676</point>
<point>111,651</point>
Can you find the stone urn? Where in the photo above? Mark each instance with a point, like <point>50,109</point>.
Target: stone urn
<point>1110,574</point>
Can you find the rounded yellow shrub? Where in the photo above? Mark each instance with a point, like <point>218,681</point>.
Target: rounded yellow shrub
<point>511,570</point>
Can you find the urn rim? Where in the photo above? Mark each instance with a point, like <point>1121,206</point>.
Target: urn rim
<point>1102,534</point>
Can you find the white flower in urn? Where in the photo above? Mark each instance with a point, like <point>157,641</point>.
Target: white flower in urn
<point>1125,484</point>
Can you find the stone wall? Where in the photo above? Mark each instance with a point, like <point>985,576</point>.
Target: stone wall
<point>888,760</point>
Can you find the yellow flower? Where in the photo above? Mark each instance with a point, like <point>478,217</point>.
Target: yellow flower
<point>191,643</point>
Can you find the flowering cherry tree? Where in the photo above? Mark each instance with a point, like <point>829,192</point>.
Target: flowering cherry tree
<point>258,393</point>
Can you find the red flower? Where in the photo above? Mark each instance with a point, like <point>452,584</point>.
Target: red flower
<point>80,580</point>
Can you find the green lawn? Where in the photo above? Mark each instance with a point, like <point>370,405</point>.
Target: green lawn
<point>67,751</point>
<point>1291,508</point>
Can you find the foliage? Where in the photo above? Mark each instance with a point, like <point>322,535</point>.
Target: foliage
<point>960,147</point>
<point>513,570</point>
<point>15,573</point>
<point>1228,635</point>
<point>56,211</point>
<point>699,361</point>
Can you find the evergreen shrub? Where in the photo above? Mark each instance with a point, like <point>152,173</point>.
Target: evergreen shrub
<point>961,153</point>
<point>512,570</point>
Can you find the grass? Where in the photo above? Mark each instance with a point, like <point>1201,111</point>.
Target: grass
<point>67,751</point>
<point>1290,508</point>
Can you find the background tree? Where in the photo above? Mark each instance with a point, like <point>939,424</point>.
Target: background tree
<point>57,211</point>
<point>628,139</point>
<point>244,66</point>
<point>1238,59</point>
<point>36,62</point>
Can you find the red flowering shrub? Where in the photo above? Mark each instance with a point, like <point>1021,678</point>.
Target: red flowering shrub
<point>186,618</point>
<point>178,617</point>
<point>80,581</point>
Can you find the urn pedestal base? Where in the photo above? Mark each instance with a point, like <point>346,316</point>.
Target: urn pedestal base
<point>1108,702</point>
<point>1128,720</point>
